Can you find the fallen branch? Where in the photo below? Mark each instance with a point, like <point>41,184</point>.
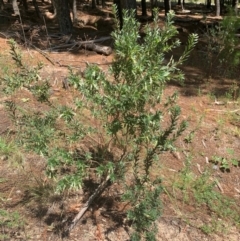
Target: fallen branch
<point>42,53</point>
<point>230,111</point>
<point>97,192</point>
<point>89,45</point>
<point>219,185</point>
<point>204,144</point>
<point>98,48</point>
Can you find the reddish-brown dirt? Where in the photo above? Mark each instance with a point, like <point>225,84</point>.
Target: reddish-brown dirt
<point>214,122</point>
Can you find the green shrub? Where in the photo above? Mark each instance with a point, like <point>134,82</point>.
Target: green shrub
<point>221,47</point>
<point>125,108</point>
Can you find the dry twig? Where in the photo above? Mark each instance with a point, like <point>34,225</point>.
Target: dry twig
<point>230,111</point>
<point>97,192</point>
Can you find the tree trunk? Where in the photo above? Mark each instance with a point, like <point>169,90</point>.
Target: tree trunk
<point>144,7</point>
<point>15,7</point>
<point>234,3</point>
<point>129,4</point>
<point>103,4</point>
<point>63,16</point>
<point>119,11</point>
<point>124,4</point>
<point>182,3</point>
<point>235,6</point>
<point>37,9</point>
<point>74,10</point>
<point>217,8</point>
<point>221,7</point>
<point>167,6</point>
<point>154,4</point>
<point>1,4</point>
<point>25,5</point>
<point>94,5</point>
<point>208,4</point>
<point>54,8</point>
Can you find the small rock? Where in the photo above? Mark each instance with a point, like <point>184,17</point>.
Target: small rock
<point>176,154</point>
<point>18,192</point>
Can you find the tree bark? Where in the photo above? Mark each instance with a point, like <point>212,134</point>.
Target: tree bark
<point>129,4</point>
<point>182,3</point>
<point>167,6</point>
<point>103,4</point>
<point>153,5</point>
<point>208,4</point>
<point>94,5</point>
<point>235,6</point>
<point>54,9</point>
<point>234,2</point>
<point>119,11</point>
<point>25,5</point>
<point>124,4</point>
<point>37,9</point>
<point>144,7</point>
<point>1,4</point>
<point>15,7</point>
<point>74,9</point>
<point>221,7</point>
<point>217,8</point>
<point>63,16</point>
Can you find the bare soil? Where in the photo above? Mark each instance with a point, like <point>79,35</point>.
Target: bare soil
<point>214,119</point>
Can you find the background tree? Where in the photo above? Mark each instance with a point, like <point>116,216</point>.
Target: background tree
<point>129,4</point>
<point>235,6</point>
<point>94,4</point>
<point>218,8</point>
<point>167,6</point>
<point>209,2</point>
<point>182,3</point>
<point>154,4</point>
<point>73,7</point>
<point>15,7</point>
<point>63,16</point>
<point>144,7</point>
<point>124,4</point>
<point>1,4</point>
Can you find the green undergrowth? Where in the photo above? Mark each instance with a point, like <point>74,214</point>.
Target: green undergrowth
<point>10,152</point>
<point>11,224</point>
<point>203,193</point>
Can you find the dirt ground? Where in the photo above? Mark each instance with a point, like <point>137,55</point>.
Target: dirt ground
<point>213,119</point>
